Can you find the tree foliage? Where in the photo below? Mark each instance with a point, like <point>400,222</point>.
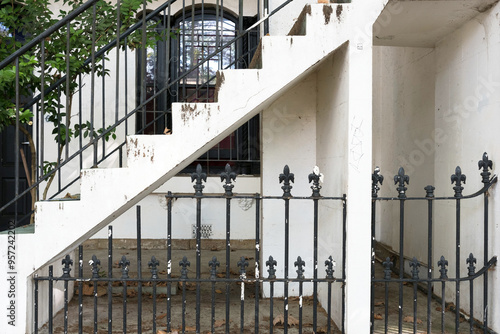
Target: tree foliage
<point>22,21</point>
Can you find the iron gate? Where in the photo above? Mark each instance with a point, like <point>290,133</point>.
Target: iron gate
<point>198,287</point>
<point>427,283</point>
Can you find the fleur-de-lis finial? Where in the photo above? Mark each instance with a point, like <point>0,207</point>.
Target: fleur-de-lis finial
<point>242,263</point>
<point>316,178</point>
<point>485,163</point>
<point>414,264</point>
<point>458,178</point>
<point>387,268</point>
<point>198,176</point>
<point>300,267</point>
<point>376,179</point>
<point>124,263</point>
<point>95,263</point>
<point>184,263</point>
<point>271,263</point>
<point>154,263</point>
<point>286,177</point>
<point>401,178</point>
<point>330,264</point>
<point>442,263</point>
<point>228,176</point>
<point>67,266</point>
<point>470,261</point>
<point>429,191</point>
<point>213,267</point>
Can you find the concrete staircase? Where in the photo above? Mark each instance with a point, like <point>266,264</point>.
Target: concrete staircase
<point>106,193</point>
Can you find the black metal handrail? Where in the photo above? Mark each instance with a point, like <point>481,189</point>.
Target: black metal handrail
<point>106,132</point>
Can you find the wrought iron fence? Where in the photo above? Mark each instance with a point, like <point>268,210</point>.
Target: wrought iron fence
<point>213,284</point>
<point>430,280</point>
<point>71,87</point>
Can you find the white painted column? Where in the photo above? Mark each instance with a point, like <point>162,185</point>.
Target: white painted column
<point>358,273</point>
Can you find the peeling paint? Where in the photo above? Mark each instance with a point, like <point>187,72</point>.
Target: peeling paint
<point>339,11</point>
<point>218,84</point>
<point>327,12</point>
<point>189,112</point>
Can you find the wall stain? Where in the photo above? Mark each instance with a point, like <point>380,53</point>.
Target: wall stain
<point>219,81</point>
<point>327,12</point>
<point>339,11</point>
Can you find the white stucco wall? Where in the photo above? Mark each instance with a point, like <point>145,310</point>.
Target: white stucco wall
<point>154,212</point>
<point>332,151</point>
<point>403,131</point>
<point>435,109</point>
<point>288,137</point>
<point>467,110</point>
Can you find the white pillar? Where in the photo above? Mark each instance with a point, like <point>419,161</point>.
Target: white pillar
<point>358,261</point>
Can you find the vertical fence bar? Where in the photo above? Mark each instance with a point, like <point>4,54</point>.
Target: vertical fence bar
<point>51,299</point>
<point>117,78</point>
<point>213,264</point>
<point>59,144</point>
<point>110,276</point>
<point>80,289</point>
<point>266,13</point>
<point>125,60</point>
<point>67,262</point>
<point>457,178</point>
<point>94,282</point>
<point>103,106</point>
<point>143,67</point>
<point>401,179</point>
<point>257,260</point>
<point>471,301</point>
<point>387,277</point>
<point>442,263</point>
<point>485,253</point>
<point>16,146</point>
<point>228,260</point>
<point>285,292</point>
<point>124,263</point>
<point>36,304</point>
<point>40,144</point>
<point>344,254</point>
<point>198,263</point>
<point>184,263</point>
<point>239,53</point>
<point>92,86</point>
<point>169,260</point>
<point>68,99</point>
<point>139,271</point>
<point>457,283</point>
<point>271,263</point>
<point>430,195</point>
<point>372,290</point>
<point>80,113</point>
<point>315,268</point>
<point>485,164</point>
<point>243,263</point>
<point>154,263</point>
<point>414,265</point>
<point>401,263</point>
<point>376,179</point>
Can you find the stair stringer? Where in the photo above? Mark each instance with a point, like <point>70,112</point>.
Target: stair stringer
<point>106,193</point>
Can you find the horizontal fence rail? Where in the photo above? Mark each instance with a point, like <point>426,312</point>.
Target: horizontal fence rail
<point>436,319</point>
<point>74,100</point>
<point>218,295</point>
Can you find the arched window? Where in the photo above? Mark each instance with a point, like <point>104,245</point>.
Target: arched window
<point>180,63</point>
